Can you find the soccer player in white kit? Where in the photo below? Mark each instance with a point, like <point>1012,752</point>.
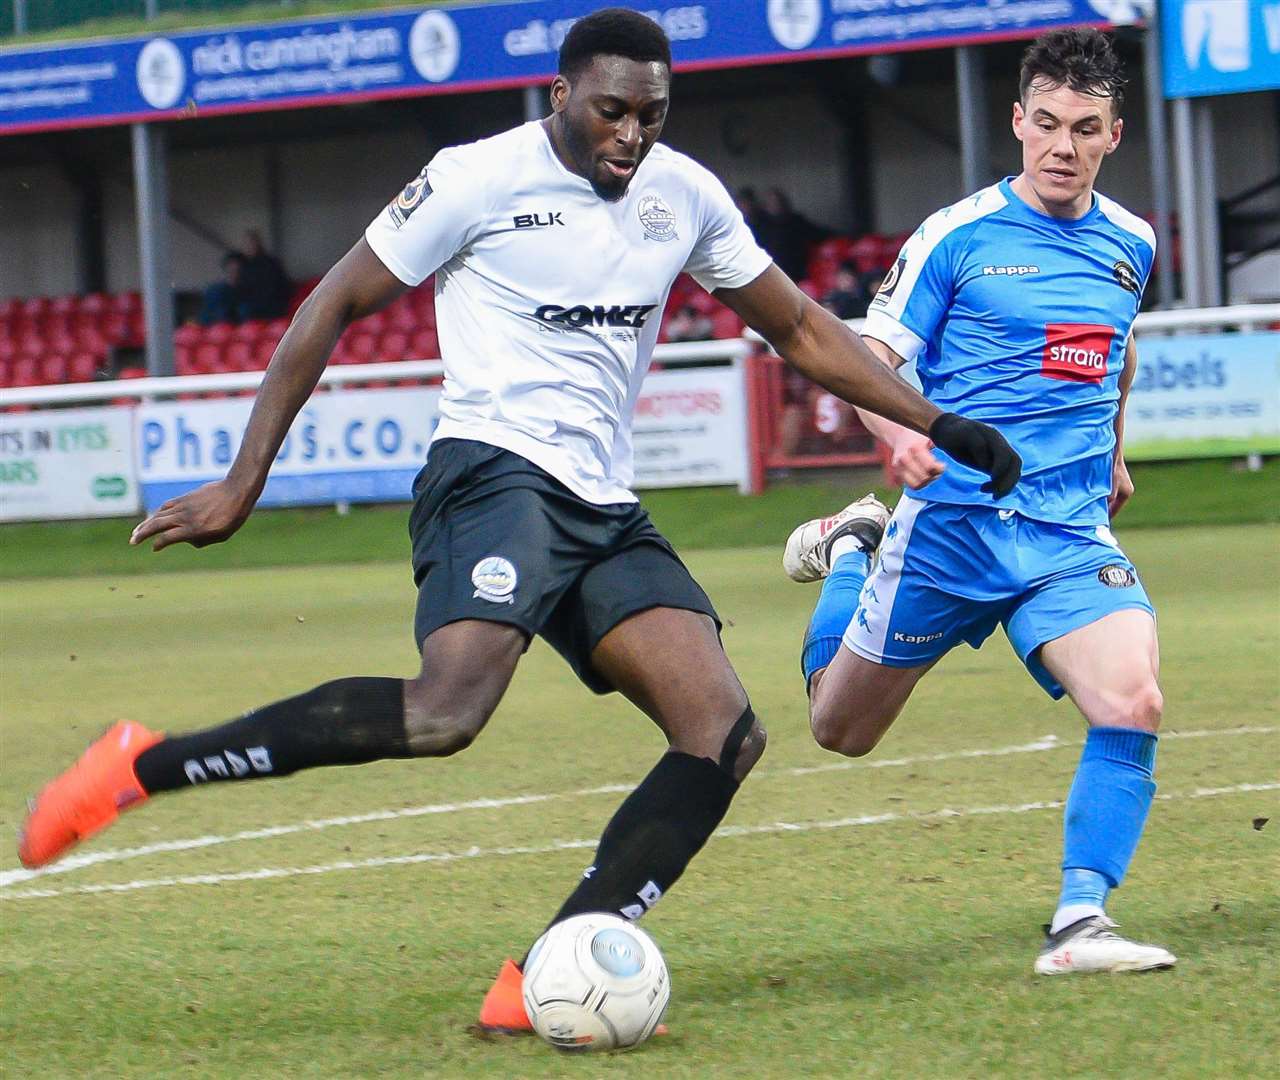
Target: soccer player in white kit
<point>553,246</point>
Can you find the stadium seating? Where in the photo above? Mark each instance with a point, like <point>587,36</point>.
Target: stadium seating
<point>78,338</point>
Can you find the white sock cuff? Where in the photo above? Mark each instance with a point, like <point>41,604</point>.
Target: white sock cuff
<point>845,545</point>
<point>1065,916</point>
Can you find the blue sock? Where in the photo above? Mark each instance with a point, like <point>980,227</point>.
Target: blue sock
<point>1106,810</point>
<point>835,608</point>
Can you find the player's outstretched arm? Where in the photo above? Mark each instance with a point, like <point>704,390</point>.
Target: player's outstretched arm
<point>821,347</point>
<point>358,285</point>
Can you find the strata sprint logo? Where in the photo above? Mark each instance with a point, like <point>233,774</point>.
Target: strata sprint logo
<point>578,316</point>
<point>1076,352</point>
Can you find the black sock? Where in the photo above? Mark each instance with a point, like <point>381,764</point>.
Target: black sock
<point>653,836</point>
<point>346,722</point>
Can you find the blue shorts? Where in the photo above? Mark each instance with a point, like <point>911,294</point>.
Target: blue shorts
<point>947,574</point>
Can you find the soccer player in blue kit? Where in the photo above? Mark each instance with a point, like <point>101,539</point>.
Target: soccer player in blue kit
<point>1017,304</point>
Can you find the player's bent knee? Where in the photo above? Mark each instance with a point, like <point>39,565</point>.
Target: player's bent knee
<point>841,735</point>
<point>433,730</point>
<point>1145,708</point>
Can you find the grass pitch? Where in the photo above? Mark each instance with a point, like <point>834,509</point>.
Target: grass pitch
<point>870,918</point>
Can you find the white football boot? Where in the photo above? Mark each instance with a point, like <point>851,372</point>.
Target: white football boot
<point>1088,945</point>
<point>807,556</point>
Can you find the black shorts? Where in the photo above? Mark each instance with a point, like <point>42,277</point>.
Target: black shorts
<point>497,538</point>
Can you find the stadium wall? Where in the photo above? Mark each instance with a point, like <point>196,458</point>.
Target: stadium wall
<point>331,185</point>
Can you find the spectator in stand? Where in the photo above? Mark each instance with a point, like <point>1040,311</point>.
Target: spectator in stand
<point>749,206</point>
<point>787,235</point>
<point>847,298</point>
<point>224,300</point>
<point>688,324</point>
<point>263,283</point>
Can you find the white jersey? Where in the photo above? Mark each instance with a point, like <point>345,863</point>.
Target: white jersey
<point>549,298</point>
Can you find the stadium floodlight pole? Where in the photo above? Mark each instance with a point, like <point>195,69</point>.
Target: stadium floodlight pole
<point>1207,190</point>
<point>151,190</point>
<point>971,94</point>
<point>1158,150</point>
<point>1189,226</point>
<point>19,16</point>
<point>152,9</point>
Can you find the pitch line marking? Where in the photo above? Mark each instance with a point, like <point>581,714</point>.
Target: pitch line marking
<point>93,858</point>
<point>727,832</point>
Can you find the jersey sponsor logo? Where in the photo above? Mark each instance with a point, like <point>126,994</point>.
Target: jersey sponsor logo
<point>1117,576</point>
<point>632,315</point>
<point>538,221</point>
<point>1076,352</point>
<point>1127,277</point>
<point>495,580</point>
<point>1009,271</point>
<point>656,218</point>
<point>890,282</point>
<point>404,204</point>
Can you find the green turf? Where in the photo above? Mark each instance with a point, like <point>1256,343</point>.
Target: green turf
<point>901,949</point>
<point>1189,493</point>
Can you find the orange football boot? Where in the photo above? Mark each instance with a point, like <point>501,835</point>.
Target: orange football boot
<point>88,796</point>
<point>502,1012</point>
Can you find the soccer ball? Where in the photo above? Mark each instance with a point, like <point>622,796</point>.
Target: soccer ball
<point>595,982</point>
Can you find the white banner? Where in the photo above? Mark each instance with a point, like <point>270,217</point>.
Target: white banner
<point>691,429</point>
<point>1205,395</point>
<point>367,445</point>
<point>67,463</point>
<point>344,446</point>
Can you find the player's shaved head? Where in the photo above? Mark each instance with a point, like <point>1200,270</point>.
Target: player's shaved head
<point>1079,58</point>
<point>610,97</point>
<point>613,32</point>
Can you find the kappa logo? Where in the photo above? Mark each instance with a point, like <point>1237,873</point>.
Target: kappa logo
<point>404,204</point>
<point>916,639</point>
<point>1009,271</point>
<point>1117,576</point>
<point>1076,352</point>
<point>495,580</point>
<point>656,218</point>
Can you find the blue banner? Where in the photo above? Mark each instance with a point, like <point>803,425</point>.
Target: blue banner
<point>440,50</point>
<point>1220,46</point>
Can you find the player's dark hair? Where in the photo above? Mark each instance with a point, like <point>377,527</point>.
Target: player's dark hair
<point>613,32</point>
<point>1081,58</point>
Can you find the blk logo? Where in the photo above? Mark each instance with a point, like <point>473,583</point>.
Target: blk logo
<point>1076,352</point>
<point>538,221</point>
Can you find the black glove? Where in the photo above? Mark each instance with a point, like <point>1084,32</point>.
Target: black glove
<point>979,446</point>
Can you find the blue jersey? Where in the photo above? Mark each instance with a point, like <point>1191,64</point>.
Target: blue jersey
<point>1022,320</point>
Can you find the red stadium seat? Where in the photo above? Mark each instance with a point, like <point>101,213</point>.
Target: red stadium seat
<point>188,334</point>
<point>401,316</point>
<point>23,372</point>
<point>362,347</point>
<point>64,305</point>
<point>218,333</point>
<point>703,302</point>
<point>30,341</point>
<point>131,373</point>
<point>35,307</point>
<point>184,362</point>
<point>276,329</point>
<point>95,303</point>
<point>61,340</point>
<point>239,356</point>
<point>8,350</point>
<point>126,302</point>
<point>52,369</point>
<point>5,372</point>
<point>809,289</point>
<point>114,327</point>
<point>90,339</point>
<point>263,351</point>
<point>137,334</point>
<point>726,324</point>
<point>82,368</point>
<point>373,324</point>
<point>249,330</point>
<point>207,357</point>
<point>393,345</point>
<point>424,345</point>
<point>11,309</point>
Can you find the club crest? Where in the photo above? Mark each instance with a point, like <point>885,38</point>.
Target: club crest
<point>656,218</point>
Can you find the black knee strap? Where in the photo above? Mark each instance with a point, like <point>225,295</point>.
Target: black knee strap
<point>734,740</point>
